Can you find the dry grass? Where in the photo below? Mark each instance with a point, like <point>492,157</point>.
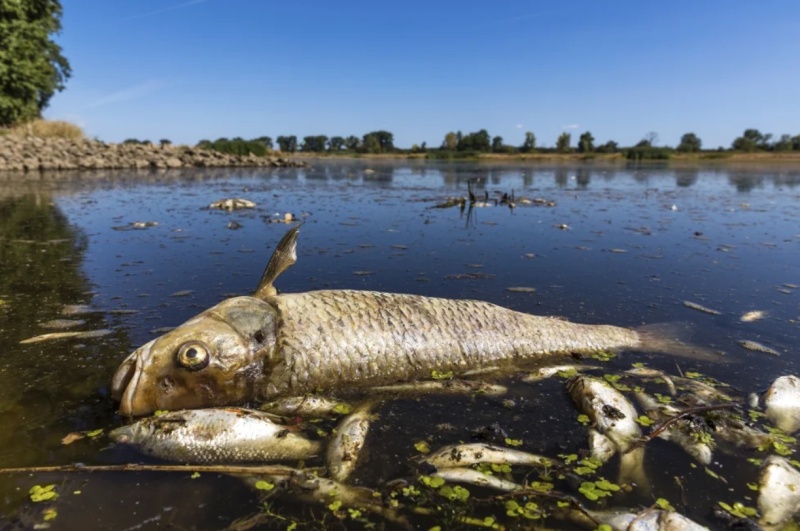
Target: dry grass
<point>48,129</point>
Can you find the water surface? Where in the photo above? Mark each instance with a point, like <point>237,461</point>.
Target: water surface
<point>624,246</point>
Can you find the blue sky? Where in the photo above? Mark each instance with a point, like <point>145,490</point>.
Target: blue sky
<point>192,69</point>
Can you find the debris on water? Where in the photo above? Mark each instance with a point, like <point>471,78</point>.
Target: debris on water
<point>469,276</point>
<point>62,324</point>
<point>182,293</point>
<point>529,255</point>
<point>521,289</point>
<point>363,273</point>
<point>122,311</point>
<point>76,309</point>
<point>137,225</point>
<point>563,226</point>
<point>674,208</point>
<point>234,203</point>
<point>233,225</point>
<point>288,217</point>
<point>162,330</point>
<point>700,308</point>
<point>492,433</point>
<point>791,286</point>
<point>451,202</point>
<point>66,335</point>
<point>755,315</point>
<point>618,251</point>
<point>757,347</point>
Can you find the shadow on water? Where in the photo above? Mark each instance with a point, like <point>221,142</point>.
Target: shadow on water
<point>622,245</point>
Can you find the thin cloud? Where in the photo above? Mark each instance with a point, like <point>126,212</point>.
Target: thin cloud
<point>570,126</point>
<point>127,94</point>
<point>518,126</point>
<point>167,9</point>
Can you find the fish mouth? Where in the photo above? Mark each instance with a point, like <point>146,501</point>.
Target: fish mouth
<point>125,383</point>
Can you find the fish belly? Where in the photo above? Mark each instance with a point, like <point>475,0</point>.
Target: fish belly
<point>339,338</point>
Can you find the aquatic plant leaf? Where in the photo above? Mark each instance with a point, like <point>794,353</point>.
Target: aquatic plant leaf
<point>513,442</point>
<point>264,485</point>
<point>49,514</point>
<point>663,504</point>
<point>94,433</point>
<point>422,447</point>
<point>39,493</point>
<point>584,419</point>
<point>432,482</point>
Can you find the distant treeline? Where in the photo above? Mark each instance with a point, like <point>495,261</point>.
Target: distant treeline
<point>457,144</point>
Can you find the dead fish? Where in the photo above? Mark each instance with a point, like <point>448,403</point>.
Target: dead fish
<point>544,373</point>
<point>137,225</point>
<point>234,203</point>
<point>782,403</point>
<point>647,520</point>
<point>757,347</point>
<point>445,387</point>
<point>694,438</point>
<point>66,335</point>
<point>307,406</point>
<point>700,308</point>
<point>778,493</point>
<point>345,448</point>
<point>215,436</point>
<point>464,455</point>
<point>475,477</point>
<point>63,324</point>
<point>271,345</point>
<point>614,430</point>
<point>647,372</point>
<point>755,315</point>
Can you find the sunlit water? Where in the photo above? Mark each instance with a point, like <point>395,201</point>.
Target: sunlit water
<point>621,246</point>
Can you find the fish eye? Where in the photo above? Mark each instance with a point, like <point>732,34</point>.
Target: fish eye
<point>193,355</point>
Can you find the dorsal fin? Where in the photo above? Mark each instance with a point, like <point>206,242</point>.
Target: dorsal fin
<point>284,256</point>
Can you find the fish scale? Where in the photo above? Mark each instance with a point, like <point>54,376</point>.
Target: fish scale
<point>330,337</point>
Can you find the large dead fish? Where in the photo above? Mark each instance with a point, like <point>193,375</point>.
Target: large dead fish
<point>271,345</point>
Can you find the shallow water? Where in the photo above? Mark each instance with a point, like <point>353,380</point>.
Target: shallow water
<point>639,242</point>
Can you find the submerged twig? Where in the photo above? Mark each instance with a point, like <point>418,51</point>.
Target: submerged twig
<point>659,428</point>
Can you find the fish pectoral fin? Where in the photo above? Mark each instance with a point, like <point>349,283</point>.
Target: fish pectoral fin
<point>283,258</point>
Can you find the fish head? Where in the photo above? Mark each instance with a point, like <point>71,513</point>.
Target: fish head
<point>216,358</point>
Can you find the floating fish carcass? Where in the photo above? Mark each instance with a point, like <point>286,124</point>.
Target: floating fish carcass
<point>271,345</point>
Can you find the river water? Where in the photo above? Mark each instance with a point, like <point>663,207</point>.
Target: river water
<point>616,245</point>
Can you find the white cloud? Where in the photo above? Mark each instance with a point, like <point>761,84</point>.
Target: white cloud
<point>518,126</point>
<point>127,94</point>
<point>570,126</point>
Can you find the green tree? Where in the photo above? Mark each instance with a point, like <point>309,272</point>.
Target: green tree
<point>784,143</point>
<point>450,141</point>
<point>335,144</point>
<point>529,144</point>
<point>32,68</point>
<point>497,144</point>
<point>351,143</point>
<point>378,142</point>
<point>287,144</point>
<point>266,140</point>
<point>586,143</point>
<point>608,147</point>
<point>563,142</point>
<point>164,142</point>
<point>752,140</point>
<point>477,141</point>
<point>314,143</point>
<point>690,143</point>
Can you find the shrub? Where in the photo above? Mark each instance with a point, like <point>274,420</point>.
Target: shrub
<point>48,129</point>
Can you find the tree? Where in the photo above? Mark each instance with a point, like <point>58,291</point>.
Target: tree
<point>164,142</point>
<point>752,140</point>
<point>335,144</point>
<point>586,143</point>
<point>32,68</point>
<point>450,141</point>
<point>608,147</point>
<point>314,143</point>
<point>529,144</point>
<point>651,138</point>
<point>497,144</point>
<point>351,143</point>
<point>563,142</point>
<point>266,140</point>
<point>378,142</point>
<point>478,141</point>
<point>287,144</point>
<point>690,143</point>
<point>784,143</point>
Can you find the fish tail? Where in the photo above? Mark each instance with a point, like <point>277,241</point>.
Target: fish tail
<point>672,339</point>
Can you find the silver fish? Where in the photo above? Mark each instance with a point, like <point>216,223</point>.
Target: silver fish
<point>307,406</point>
<point>697,442</point>
<point>345,448</point>
<point>271,345</point>
<point>778,493</point>
<point>464,455</point>
<point>444,387</point>
<point>647,520</point>
<point>474,477</point>
<point>757,347</point>
<point>215,436</point>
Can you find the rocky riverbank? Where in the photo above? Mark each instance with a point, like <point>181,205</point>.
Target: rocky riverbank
<point>18,153</point>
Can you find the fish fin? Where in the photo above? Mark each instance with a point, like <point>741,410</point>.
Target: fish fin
<point>283,258</point>
<point>670,338</point>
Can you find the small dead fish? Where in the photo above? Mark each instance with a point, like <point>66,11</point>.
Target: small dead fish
<point>445,387</point>
<point>700,308</point>
<point>215,436</point>
<point>475,477</point>
<point>307,406</point>
<point>234,203</point>
<point>755,315</point>
<point>66,335</point>
<point>464,455</point>
<point>702,392</point>
<point>647,520</point>
<point>521,289</point>
<point>62,324</point>
<point>345,448</point>
<point>778,493</point>
<point>567,371</point>
<point>757,347</point>
<point>647,372</point>
<point>137,225</point>
<point>782,403</point>
<point>694,439</point>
